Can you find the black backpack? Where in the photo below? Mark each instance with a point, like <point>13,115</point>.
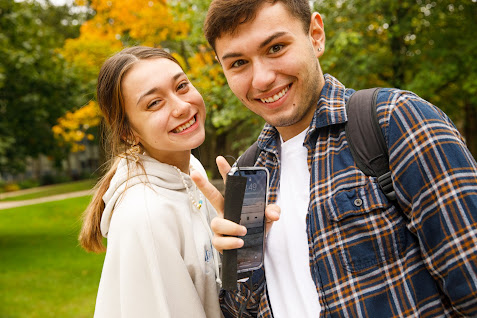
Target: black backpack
<point>365,139</point>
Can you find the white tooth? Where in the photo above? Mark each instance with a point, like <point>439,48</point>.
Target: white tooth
<point>274,97</point>
<point>185,126</point>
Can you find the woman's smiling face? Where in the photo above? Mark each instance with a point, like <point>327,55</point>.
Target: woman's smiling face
<point>165,111</point>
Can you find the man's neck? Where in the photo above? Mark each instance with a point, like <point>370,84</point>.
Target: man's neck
<point>288,132</point>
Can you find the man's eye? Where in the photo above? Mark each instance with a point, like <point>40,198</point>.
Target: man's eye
<point>276,48</point>
<point>238,63</point>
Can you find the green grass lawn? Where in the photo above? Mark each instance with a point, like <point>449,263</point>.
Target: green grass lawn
<point>43,271</point>
<point>56,189</point>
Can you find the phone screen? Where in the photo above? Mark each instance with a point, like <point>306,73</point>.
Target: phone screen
<point>250,256</point>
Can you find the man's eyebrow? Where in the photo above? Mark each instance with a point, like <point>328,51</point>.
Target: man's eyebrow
<point>155,89</point>
<point>231,55</point>
<point>271,38</point>
<point>263,44</point>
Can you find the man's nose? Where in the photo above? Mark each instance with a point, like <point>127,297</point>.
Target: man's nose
<point>263,76</point>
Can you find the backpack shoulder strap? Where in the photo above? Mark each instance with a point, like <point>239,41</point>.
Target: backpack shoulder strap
<point>366,140</point>
<point>249,157</point>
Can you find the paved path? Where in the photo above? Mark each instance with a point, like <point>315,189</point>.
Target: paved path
<point>5,195</point>
<point>219,184</point>
<point>14,204</point>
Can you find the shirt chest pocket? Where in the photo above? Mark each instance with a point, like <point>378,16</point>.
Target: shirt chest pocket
<point>367,229</point>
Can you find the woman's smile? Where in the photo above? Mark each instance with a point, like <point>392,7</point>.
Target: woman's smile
<point>184,128</point>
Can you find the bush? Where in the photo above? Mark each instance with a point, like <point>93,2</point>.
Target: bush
<point>11,187</point>
<point>48,179</point>
<point>27,184</point>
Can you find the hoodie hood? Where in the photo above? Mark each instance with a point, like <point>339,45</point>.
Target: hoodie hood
<point>128,175</point>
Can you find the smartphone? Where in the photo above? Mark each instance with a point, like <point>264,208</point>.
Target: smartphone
<point>250,256</point>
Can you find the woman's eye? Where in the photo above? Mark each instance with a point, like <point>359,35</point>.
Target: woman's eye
<point>153,103</point>
<point>182,85</point>
<point>238,63</point>
<point>276,48</point>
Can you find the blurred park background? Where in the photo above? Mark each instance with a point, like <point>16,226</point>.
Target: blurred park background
<point>50,126</point>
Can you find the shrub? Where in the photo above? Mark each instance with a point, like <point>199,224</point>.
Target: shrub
<point>48,179</point>
<point>27,184</point>
<point>11,187</point>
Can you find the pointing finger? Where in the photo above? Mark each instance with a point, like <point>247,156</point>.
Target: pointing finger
<point>210,192</point>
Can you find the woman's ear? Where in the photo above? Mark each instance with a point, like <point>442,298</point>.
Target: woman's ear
<point>130,138</point>
<point>317,34</point>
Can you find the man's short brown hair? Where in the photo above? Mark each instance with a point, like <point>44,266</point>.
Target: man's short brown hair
<point>224,16</point>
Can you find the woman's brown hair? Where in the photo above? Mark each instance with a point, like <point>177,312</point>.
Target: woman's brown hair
<point>111,103</point>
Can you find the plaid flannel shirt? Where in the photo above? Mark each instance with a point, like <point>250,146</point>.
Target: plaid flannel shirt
<point>370,257</point>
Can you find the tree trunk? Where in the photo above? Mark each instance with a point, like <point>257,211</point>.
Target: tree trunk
<point>398,48</point>
<point>470,128</point>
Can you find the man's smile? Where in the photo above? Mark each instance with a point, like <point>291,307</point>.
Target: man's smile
<point>275,97</point>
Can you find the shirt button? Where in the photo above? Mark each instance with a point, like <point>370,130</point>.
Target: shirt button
<point>358,202</point>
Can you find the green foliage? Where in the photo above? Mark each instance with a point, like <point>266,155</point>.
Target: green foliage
<point>43,272</point>
<point>194,13</point>
<point>425,46</point>
<point>27,184</point>
<point>421,45</point>
<point>36,85</point>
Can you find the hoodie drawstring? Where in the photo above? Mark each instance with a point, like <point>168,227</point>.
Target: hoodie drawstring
<point>214,251</point>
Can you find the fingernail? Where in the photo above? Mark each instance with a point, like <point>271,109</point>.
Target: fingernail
<point>240,243</point>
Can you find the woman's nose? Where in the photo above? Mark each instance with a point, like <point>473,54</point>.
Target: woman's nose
<point>180,107</point>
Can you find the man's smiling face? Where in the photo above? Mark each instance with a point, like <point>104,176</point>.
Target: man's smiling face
<point>272,65</point>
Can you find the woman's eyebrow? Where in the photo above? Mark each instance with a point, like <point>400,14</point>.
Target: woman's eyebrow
<point>155,89</point>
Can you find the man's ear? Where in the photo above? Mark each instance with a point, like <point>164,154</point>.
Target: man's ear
<point>317,34</point>
<point>217,59</point>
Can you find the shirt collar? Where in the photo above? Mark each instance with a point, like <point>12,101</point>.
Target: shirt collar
<point>330,111</point>
<point>331,105</point>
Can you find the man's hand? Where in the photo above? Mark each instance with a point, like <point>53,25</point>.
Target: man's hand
<point>225,231</point>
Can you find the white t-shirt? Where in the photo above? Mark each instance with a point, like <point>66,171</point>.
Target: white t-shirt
<point>291,288</point>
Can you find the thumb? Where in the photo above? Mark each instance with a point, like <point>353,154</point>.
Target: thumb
<point>272,212</point>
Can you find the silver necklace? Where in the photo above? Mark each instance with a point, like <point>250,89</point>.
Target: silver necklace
<point>189,192</point>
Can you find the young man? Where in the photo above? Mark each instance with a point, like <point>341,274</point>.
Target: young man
<point>341,248</point>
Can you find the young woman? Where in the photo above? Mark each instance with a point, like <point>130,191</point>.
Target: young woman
<point>159,258</point>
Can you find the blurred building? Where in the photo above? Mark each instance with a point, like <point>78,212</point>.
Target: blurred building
<point>78,165</point>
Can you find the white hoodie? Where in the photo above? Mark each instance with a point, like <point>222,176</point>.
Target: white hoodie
<point>159,261</point>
